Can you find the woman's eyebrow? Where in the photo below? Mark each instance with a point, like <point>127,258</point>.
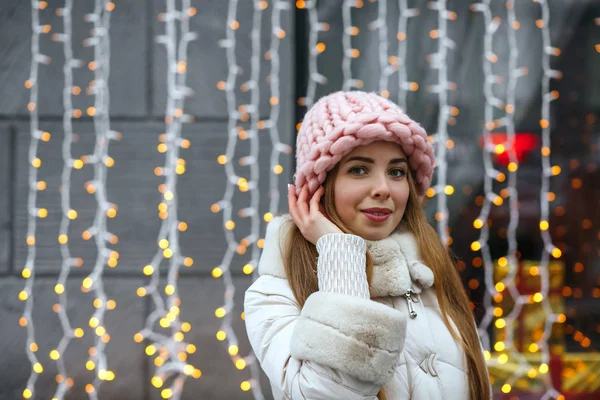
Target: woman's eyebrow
<point>371,161</point>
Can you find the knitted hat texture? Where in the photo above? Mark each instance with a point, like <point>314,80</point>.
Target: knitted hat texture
<point>341,121</point>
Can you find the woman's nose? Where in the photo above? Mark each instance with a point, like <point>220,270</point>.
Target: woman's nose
<point>381,188</point>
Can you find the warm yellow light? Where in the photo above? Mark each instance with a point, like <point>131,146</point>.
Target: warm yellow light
<point>533,347</point>
<point>500,286</point>
<point>513,167</point>
<point>217,272</point>
<point>23,295</point>
<point>245,386</point>
<point>268,217</point>
<point>556,253</point>
<point>26,273</point>
<point>77,164</point>
<point>220,312</point>
<point>430,192</point>
<point>506,388</point>
<point>498,200</point>
<point>449,190</point>
<point>188,261</point>
<point>156,382</point>
<point>55,355</point>
<point>221,335</point>
<point>499,149</point>
<point>475,246</point>
<point>543,368</point>
<point>167,253</point>
<point>27,394</point>
<point>248,268</point>
<point>477,224</point>
<point>538,297</point>
<point>166,393</point>
<point>229,225</point>
<point>59,289</point>
<point>532,373</point>
<point>169,289</point>
<point>499,346</point>
<point>500,323</point>
<point>502,359</point>
<point>240,364</point>
<point>233,350</point>
<point>87,283</point>
<point>150,350</point>
<point>42,213</point>
<point>37,367</point>
<point>141,292</point>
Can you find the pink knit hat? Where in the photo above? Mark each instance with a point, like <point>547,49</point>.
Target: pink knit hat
<point>341,121</point>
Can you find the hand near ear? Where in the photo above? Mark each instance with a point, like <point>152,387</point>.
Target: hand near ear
<point>309,215</point>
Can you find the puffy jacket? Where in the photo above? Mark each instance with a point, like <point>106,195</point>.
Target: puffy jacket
<point>344,347</point>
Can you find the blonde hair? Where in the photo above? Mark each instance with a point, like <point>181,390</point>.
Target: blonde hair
<point>301,263</point>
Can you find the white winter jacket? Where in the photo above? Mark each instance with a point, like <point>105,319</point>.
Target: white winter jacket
<point>344,347</point>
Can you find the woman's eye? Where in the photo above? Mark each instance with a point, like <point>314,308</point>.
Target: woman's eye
<point>398,172</point>
<point>354,170</point>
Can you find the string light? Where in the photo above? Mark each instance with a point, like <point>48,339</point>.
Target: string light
<point>439,62</point>
<point>28,272</point>
<point>348,82</point>
<point>248,113</point>
<point>171,361</point>
<point>403,85</point>
<point>510,263</point>
<point>100,159</point>
<point>67,212</point>
<point>314,49</point>
<point>548,249</point>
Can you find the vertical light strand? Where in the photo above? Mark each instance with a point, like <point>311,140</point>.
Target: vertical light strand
<point>481,222</point>
<point>225,205</point>
<point>171,361</point>
<point>404,14</point>
<point>100,159</point>
<point>67,212</point>
<point>347,50</point>
<point>439,61</point>
<point>251,116</point>
<point>272,124</point>
<point>385,67</point>
<point>548,248</point>
<point>34,212</point>
<point>511,260</point>
<point>314,49</point>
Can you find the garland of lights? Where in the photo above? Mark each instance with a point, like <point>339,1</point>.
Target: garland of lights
<point>28,272</point>
<point>508,282</point>
<point>400,62</point>
<point>441,139</point>
<point>171,361</point>
<point>248,113</point>
<point>64,383</point>
<point>314,49</point>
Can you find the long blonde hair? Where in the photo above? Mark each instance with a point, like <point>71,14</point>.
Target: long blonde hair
<point>301,263</point>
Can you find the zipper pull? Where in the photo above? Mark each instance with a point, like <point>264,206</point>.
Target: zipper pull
<point>409,300</point>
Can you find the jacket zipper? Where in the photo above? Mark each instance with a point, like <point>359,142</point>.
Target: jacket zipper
<point>409,301</point>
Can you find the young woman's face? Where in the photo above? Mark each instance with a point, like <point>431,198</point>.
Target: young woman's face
<point>371,189</point>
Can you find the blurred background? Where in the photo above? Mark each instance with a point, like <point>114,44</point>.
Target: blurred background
<point>144,146</point>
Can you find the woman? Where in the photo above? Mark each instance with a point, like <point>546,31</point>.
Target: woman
<point>357,297</point>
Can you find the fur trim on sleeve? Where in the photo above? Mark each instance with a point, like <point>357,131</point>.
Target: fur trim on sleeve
<point>360,337</point>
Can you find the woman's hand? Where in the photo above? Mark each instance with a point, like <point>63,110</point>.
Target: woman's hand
<point>309,216</point>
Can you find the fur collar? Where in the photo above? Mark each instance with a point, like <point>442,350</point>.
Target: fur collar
<point>396,259</point>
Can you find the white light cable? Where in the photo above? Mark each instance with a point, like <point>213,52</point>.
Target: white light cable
<point>171,361</point>
<point>28,272</point>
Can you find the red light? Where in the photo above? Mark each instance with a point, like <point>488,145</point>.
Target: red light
<point>523,144</point>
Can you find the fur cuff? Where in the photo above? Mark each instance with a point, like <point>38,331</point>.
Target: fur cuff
<point>360,337</point>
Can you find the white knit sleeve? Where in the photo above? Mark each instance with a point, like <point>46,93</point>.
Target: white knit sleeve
<point>341,265</point>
